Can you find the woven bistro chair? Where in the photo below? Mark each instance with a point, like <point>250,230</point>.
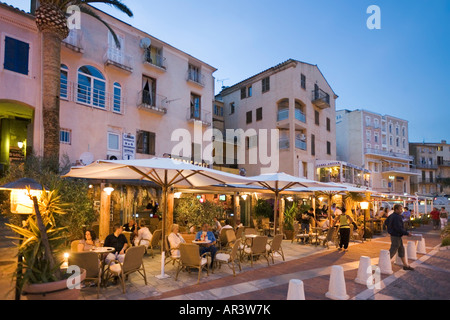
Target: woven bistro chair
<point>88,261</point>
<point>239,232</point>
<point>190,258</point>
<point>171,254</point>
<point>156,239</point>
<point>250,231</point>
<point>326,236</point>
<point>74,245</point>
<point>257,249</point>
<point>133,262</point>
<point>231,238</point>
<point>222,238</point>
<point>230,257</point>
<point>274,246</point>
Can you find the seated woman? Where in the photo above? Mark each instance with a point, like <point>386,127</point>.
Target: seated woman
<point>90,240</point>
<point>144,236</point>
<point>175,239</point>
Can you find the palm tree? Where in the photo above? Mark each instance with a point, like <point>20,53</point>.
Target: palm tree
<point>52,23</point>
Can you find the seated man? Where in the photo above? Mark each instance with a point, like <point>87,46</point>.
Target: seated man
<point>119,242</point>
<point>208,247</point>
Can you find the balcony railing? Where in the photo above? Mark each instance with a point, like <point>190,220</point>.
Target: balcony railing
<point>152,102</point>
<point>300,144</point>
<point>426,166</point>
<point>320,98</point>
<point>155,60</point>
<point>398,169</point>
<point>117,58</point>
<point>389,154</point>
<point>284,143</point>
<point>196,114</point>
<point>94,97</point>
<point>284,114</point>
<point>195,77</point>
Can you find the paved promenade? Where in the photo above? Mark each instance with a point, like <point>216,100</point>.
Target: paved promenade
<point>430,279</point>
<point>311,264</point>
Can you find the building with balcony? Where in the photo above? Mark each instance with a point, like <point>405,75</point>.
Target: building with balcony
<point>343,172</point>
<point>294,98</point>
<point>378,143</point>
<point>433,165</point>
<point>115,102</point>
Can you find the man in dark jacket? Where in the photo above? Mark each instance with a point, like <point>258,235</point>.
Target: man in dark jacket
<point>396,229</point>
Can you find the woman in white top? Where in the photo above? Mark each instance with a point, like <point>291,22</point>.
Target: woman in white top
<point>144,236</point>
<point>175,239</point>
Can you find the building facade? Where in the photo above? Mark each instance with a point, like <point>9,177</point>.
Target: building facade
<point>433,164</point>
<point>139,100</point>
<point>378,143</point>
<point>291,107</point>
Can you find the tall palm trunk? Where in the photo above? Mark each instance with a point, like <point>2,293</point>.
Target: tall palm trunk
<point>52,22</point>
<point>50,101</point>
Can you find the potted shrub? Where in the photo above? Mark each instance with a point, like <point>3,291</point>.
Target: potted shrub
<point>288,224</point>
<point>39,276</point>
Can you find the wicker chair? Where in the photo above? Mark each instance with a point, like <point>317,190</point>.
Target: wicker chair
<point>222,238</point>
<point>190,258</point>
<point>156,239</point>
<point>274,246</point>
<point>326,236</point>
<point>169,253</point>
<point>231,238</point>
<point>230,257</point>
<point>74,245</point>
<point>88,261</point>
<point>257,249</point>
<point>131,263</point>
<point>299,233</point>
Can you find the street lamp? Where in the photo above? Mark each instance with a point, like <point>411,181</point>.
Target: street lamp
<point>22,202</point>
<point>364,206</point>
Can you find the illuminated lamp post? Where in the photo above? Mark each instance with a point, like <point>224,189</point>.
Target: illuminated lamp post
<point>364,206</point>
<point>25,203</point>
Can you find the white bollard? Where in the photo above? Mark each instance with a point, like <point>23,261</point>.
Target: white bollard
<point>385,262</point>
<point>411,249</point>
<point>296,290</point>
<point>421,247</point>
<point>337,289</point>
<point>364,270</point>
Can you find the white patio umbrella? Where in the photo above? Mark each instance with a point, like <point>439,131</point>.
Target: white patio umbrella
<point>165,172</point>
<point>279,182</point>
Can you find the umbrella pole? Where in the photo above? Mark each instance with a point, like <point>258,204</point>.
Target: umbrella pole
<point>163,234</point>
<point>275,224</point>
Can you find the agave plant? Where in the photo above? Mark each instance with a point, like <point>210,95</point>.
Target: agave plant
<point>52,23</point>
<point>40,242</point>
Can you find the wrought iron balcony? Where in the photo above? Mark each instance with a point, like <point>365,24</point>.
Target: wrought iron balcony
<point>152,102</point>
<point>320,99</point>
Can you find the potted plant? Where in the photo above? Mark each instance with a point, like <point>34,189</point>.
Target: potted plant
<point>288,224</point>
<point>39,276</point>
<point>262,209</point>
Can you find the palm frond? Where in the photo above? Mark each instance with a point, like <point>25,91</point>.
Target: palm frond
<point>85,9</point>
<point>114,3</point>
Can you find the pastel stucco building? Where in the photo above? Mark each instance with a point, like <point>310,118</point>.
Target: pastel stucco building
<point>378,143</point>
<point>432,161</point>
<point>116,103</point>
<point>293,97</point>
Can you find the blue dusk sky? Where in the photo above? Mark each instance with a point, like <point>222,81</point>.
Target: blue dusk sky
<point>402,69</point>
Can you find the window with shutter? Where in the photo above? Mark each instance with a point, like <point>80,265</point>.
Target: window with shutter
<point>16,56</point>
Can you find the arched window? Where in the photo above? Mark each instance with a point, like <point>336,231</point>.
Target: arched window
<point>63,92</point>
<point>117,100</point>
<point>91,88</point>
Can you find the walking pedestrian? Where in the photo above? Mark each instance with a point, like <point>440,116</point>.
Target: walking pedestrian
<point>435,217</point>
<point>396,229</point>
<point>344,228</point>
<point>443,215</point>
